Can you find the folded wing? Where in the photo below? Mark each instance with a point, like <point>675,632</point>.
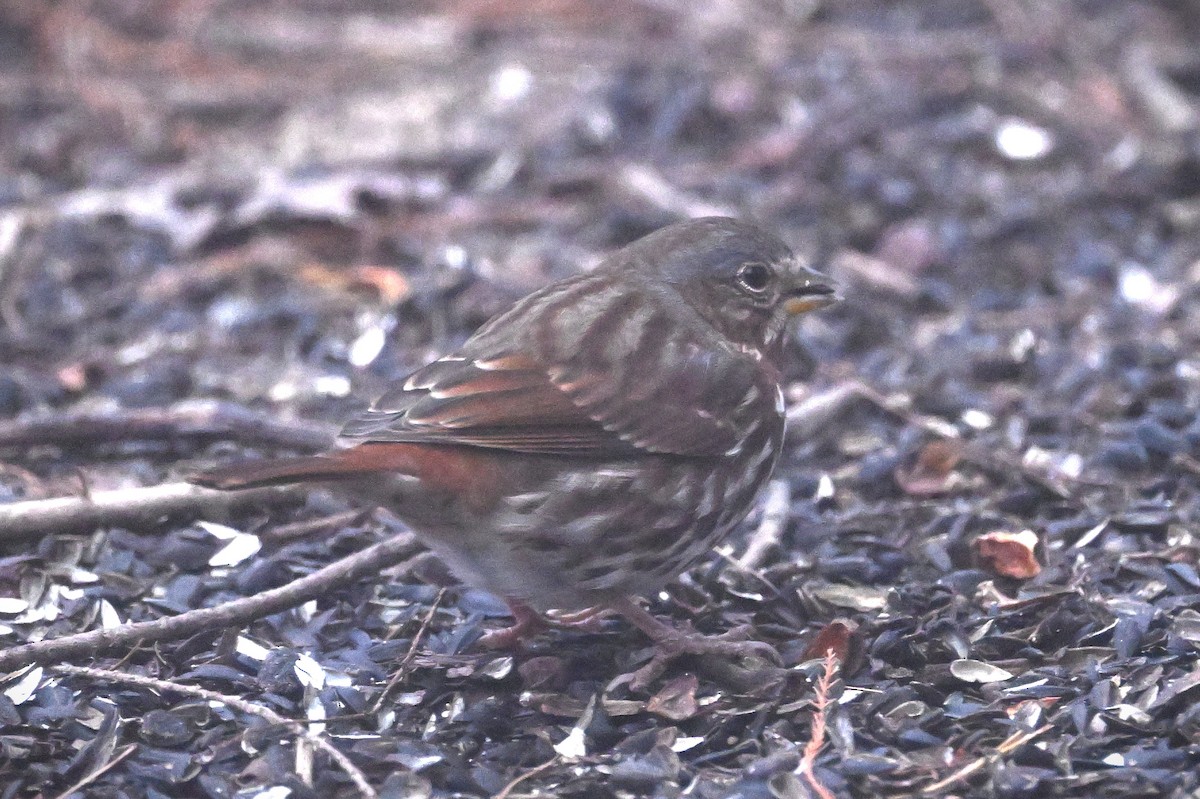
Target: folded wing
<point>592,369</point>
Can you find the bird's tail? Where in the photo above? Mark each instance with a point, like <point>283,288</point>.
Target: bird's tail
<point>278,471</point>
<point>456,469</point>
<point>337,465</point>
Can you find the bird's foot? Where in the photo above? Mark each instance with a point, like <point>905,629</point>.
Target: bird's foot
<point>588,620</point>
<point>526,622</point>
<point>672,643</point>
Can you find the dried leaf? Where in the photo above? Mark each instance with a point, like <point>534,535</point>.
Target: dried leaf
<point>1009,554</point>
<point>834,637</point>
<point>933,471</point>
<point>677,699</point>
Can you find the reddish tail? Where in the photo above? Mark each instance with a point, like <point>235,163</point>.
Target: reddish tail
<point>257,474</point>
<point>341,464</point>
<point>452,468</point>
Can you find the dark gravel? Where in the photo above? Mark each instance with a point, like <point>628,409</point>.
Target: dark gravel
<point>994,457</point>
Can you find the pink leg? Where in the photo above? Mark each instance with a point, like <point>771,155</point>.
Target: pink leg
<point>526,622</point>
<point>673,642</point>
<point>589,620</point>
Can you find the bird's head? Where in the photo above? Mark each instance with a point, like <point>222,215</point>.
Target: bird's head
<point>742,280</point>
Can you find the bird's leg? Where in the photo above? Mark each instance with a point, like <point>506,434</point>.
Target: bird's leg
<point>587,620</point>
<point>526,622</point>
<point>672,642</point>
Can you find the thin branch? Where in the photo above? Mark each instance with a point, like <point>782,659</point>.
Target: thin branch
<point>237,703</point>
<point>191,419</point>
<point>366,563</point>
<point>310,527</point>
<point>408,657</point>
<point>648,185</point>
<point>817,412</point>
<point>507,790</point>
<point>99,772</point>
<point>130,507</point>
<point>776,505</point>
<point>1007,746</point>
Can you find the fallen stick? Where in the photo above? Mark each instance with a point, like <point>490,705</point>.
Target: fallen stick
<point>318,740</point>
<point>365,563</point>
<point>1006,747</point>
<point>776,504</point>
<point>191,419</point>
<point>129,507</point>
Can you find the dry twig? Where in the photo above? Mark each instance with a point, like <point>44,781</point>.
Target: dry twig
<point>310,527</point>
<point>192,419</point>
<point>368,562</point>
<point>1007,746</point>
<point>130,507</point>
<point>98,772</point>
<point>533,772</point>
<point>408,656</point>
<point>237,703</point>
<point>776,504</point>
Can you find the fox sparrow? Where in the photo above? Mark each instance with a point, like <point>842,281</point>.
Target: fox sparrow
<point>594,441</point>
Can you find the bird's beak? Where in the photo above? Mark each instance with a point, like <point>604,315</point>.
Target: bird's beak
<point>810,291</point>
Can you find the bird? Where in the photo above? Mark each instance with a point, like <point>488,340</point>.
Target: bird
<point>588,445</point>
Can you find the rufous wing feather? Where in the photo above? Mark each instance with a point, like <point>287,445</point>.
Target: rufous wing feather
<point>504,402</point>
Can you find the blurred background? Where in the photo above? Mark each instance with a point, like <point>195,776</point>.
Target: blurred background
<point>194,187</point>
<point>283,205</point>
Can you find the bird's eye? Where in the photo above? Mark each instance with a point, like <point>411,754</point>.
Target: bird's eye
<point>755,278</point>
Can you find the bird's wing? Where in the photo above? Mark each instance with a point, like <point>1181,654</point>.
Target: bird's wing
<point>649,369</point>
<point>503,403</point>
<point>588,368</point>
<point>685,406</point>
